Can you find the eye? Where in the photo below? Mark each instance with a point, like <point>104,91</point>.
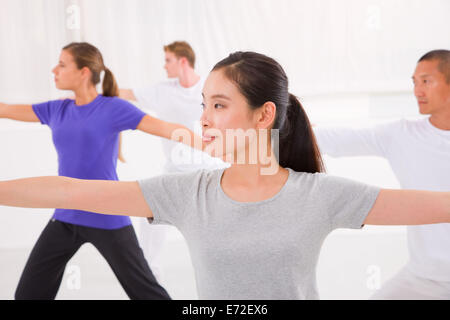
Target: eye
<point>218,106</point>
<point>203,105</point>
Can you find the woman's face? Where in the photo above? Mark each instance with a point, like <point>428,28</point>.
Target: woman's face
<point>229,126</point>
<point>67,74</point>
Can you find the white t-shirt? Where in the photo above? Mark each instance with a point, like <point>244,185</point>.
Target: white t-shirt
<point>173,103</point>
<point>419,155</point>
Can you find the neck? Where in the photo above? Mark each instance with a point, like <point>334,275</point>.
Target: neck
<point>254,174</point>
<point>85,95</point>
<point>441,121</point>
<point>188,78</point>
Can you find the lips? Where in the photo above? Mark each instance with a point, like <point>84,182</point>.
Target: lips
<point>207,138</point>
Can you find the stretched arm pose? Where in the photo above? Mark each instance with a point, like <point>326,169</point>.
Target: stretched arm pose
<point>392,207</point>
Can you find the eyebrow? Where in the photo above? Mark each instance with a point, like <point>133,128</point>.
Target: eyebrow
<point>215,96</point>
<point>421,76</point>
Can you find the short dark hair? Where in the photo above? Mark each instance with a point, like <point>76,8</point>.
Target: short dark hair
<point>443,56</point>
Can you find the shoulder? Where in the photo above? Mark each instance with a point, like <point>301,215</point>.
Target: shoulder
<point>54,104</point>
<point>402,128</point>
<point>389,125</point>
<point>153,91</point>
<point>116,102</point>
<point>169,84</point>
<point>321,181</point>
<point>415,123</point>
<point>186,182</point>
<point>199,177</point>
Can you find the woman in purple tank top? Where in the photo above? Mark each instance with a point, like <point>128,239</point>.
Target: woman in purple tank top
<point>86,133</point>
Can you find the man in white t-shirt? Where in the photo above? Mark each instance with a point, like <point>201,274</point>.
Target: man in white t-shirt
<point>418,151</point>
<point>177,100</point>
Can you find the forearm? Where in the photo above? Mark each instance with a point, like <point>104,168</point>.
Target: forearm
<point>40,192</point>
<point>447,206</point>
<point>171,131</point>
<point>410,207</point>
<point>3,110</point>
<point>99,196</point>
<point>20,112</point>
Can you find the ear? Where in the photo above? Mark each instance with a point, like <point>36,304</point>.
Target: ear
<point>86,73</point>
<point>183,61</point>
<point>266,115</point>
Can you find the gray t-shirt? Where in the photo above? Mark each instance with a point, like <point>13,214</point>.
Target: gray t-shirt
<point>257,250</point>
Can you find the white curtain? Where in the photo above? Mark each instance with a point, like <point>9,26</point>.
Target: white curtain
<point>325,46</point>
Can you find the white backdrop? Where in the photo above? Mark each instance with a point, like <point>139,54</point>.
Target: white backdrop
<point>325,45</point>
<point>350,61</point>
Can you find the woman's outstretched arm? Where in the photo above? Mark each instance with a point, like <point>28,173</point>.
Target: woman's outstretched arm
<point>20,112</point>
<point>171,131</point>
<point>100,196</point>
<point>409,207</point>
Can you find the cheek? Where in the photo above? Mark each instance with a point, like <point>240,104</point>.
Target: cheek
<point>65,74</point>
<point>444,94</point>
<point>229,120</point>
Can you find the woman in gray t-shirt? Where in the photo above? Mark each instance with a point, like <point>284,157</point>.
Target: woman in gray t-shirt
<point>254,230</point>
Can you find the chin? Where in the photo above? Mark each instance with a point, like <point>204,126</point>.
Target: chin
<point>60,87</point>
<point>424,111</point>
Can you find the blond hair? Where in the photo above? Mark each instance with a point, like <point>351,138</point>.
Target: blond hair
<point>182,49</point>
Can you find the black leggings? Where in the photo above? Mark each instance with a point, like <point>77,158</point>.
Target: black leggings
<point>59,241</point>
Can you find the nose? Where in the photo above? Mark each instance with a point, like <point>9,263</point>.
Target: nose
<point>54,70</point>
<point>418,91</point>
<point>204,119</point>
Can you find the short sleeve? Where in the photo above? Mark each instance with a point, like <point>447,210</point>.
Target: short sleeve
<point>147,97</point>
<point>126,116</point>
<point>46,111</point>
<point>346,201</point>
<point>374,140</point>
<point>171,197</point>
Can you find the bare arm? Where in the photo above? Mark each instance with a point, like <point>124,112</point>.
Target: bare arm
<point>20,112</point>
<point>171,131</point>
<point>409,207</point>
<point>100,196</point>
<point>120,155</point>
<point>127,94</point>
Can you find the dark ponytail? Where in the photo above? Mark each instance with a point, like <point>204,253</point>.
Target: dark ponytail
<point>261,79</point>
<point>87,55</point>
<point>110,87</point>
<point>297,144</point>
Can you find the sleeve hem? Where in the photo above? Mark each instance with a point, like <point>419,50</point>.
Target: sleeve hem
<point>37,114</point>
